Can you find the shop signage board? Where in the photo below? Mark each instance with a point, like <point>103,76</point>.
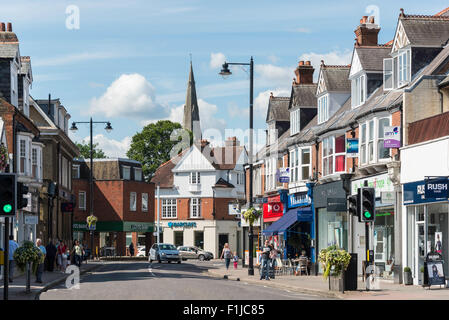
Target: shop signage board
<point>380,183</point>
<point>283,175</point>
<point>387,197</point>
<point>336,204</point>
<point>392,137</point>
<point>352,147</point>
<point>305,214</point>
<point>31,219</point>
<point>434,271</point>
<point>436,187</point>
<point>298,200</point>
<point>233,209</point>
<point>182,224</point>
<point>273,210</point>
<point>414,193</point>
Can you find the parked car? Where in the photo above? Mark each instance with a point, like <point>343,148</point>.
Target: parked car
<point>164,252</point>
<point>192,252</point>
<point>140,251</point>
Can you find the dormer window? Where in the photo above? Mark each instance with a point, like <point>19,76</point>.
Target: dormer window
<point>323,109</point>
<point>358,87</point>
<point>126,172</point>
<point>294,122</point>
<point>397,70</point>
<point>403,67</point>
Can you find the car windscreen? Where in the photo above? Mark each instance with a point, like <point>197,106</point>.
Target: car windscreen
<point>167,247</point>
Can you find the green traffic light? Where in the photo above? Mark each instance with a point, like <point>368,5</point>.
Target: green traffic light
<point>7,208</point>
<point>367,214</point>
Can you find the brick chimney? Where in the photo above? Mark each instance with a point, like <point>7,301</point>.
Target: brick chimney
<point>2,27</point>
<point>204,143</point>
<point>367,32</point>
<point>9,27</point>
<point>304,73</point>
<point>232,142</point>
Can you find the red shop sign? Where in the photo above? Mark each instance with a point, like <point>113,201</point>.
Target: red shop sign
<point>273,210</point>
<point>274,199</point>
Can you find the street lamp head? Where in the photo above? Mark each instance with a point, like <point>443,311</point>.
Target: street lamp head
<point>108,127</point>
<point>225,72</point>
<point>73,127</point>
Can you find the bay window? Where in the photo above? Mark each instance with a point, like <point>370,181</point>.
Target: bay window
<point>403,67</point>
<point>305,163</point>
<point>397,70</point>
<point>22,163</point>
<point>334,155</point>
<point>372,141</point>
<point>300,164</point>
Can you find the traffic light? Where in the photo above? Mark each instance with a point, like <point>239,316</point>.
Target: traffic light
<point>7,194</point>
<point>352,205</point>
<point>22,190</point>
<point>367,204</point>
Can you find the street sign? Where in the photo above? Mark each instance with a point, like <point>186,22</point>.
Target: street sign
<point>352,148</point>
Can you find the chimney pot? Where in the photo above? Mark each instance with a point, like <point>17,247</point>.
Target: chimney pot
<point>9,27</point>
<point>364,19</point>
<point>371,19</point>
<point>307,63</point>
<point>2,27</point>
<point>301,63</point>
<point>304,73</point>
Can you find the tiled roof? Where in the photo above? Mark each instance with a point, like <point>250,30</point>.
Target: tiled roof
<point>25,65</point>
<point>222,183</point>
<point>305,135</point>
<point>164,175</point>
<point>303,95</point>
<point>225,158</point>
<point>336,78</point>
<point>372,58</point>
<point>8,50</point>
<point>430,31</point>
<point>278,109</point>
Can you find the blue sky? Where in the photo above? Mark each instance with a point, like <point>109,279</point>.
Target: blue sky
<point>129,60</point>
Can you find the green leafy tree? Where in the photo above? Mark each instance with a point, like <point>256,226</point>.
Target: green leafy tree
<point>154,144</point>
<point>85,151</point>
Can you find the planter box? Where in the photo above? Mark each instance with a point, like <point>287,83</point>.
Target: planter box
<point>336,283</point>
<point>408,280</point>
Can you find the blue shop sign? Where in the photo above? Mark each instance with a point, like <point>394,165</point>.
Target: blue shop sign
<point>305,214</point>
<point>182,224</point>
<point>298,200</point>
<point>415,193</point>
<point>436,188</point>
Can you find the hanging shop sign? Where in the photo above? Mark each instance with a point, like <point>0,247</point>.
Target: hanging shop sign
<point>233,209</point>
<point>415,193</point>
<point>273,210</point>
<point>283,175</point>
<point>67,206</point>
<point>436,187</point>
<point>298,200</point>
<point>392,137</point>
<point>352,148</point>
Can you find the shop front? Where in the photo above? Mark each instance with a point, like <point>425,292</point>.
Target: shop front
<point>274,208</point>
<point>382,236</point>
<point>114,237</point>
<point>209,235</point>
<point>329,201</point>
<point>427,225</point>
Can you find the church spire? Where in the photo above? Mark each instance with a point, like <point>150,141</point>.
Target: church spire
<point>191,120</point>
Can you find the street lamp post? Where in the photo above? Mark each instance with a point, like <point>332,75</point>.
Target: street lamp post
<point>226,72</point>
<point>108,129</point>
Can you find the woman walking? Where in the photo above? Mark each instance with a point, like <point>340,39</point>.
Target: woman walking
<point>227,255</point>
<point>78,253</point>
<point>62,257</point>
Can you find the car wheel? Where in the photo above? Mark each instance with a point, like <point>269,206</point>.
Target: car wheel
<point>201,257</point>
<point>169,261</point>
<point>179,261</point>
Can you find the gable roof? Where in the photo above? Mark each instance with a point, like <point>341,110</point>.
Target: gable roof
<point>336,78</point>
<point>278,109</point>
<point>372,58</point>
<point>421,30</point>
<point>222,183</point>
<point>303,95</point>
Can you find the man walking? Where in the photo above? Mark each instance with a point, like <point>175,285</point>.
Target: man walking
<point>12,247</point>
<point>131,249</point>
<point>51,255</point>
<point>264,273</point>
<point>40,267</point>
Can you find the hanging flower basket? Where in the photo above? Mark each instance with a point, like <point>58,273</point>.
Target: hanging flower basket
<point>91,220</point>
<point>3,157</point>
<point>251,215</point>
<point>28,253</point>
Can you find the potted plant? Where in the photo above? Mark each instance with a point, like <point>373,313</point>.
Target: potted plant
<point>408,280</point>
<point>421,275</point>
<point>251,215</point>
<point>91,220</point>
<point>334,261</point>
<point>27,258</point>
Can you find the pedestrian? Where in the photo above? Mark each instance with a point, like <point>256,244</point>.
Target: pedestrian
<point>273,259</point>
<point>40,267</point>
<point>235,259</point>
<point>50,256</point>
<point>131,249</point>
<point>227,255</point>
<point>264,273</point>
<point>62,257</point>
<point>12,247</point>
<point>78,252</point>
<point>85,248</point>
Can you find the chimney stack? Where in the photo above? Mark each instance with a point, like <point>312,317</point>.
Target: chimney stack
<point>232,142</point>
<point>204,143</point>
<point>2,27</point>
<point>304,73</point>
<point>367,32</point>
<point>9,27</point>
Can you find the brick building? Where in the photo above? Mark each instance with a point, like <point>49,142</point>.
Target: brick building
<point>123,205</point>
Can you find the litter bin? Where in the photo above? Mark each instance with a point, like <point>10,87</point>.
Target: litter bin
<point>351,274</point>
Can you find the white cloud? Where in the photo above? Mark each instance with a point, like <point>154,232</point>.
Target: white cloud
<point>275,76</point>
<point>235,111</point>
<point>261,101</point>
<point>132,96</point>
<point>112,148</point>
<point>217,60</point>
<point>331,58</point>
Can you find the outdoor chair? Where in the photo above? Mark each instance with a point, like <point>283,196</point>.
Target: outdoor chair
<point>279,269</point>
<point>302,265</point>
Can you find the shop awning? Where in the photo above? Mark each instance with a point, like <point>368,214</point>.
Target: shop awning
<point>282,224</point>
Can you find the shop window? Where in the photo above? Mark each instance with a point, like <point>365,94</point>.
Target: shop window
<point>199,239</point>
<point>179,238</point>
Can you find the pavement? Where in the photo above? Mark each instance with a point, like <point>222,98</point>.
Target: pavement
<point>50,279</point>
<point>316,285</point>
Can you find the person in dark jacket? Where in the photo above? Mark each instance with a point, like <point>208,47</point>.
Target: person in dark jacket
<point>51,255</point>
<point>131,249</point>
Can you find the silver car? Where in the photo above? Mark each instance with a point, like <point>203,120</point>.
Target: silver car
<point>192,252</point>
<point>164,252</point>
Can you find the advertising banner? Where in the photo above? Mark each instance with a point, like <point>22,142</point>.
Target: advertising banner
<point>392,137</point>
<point>283,175</point>
<point>436,188</point>
<point>272,210</point>
<point>352,147</point>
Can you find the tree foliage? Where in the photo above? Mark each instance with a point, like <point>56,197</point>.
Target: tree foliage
<point>152,146</point>
<point>85,151</point>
